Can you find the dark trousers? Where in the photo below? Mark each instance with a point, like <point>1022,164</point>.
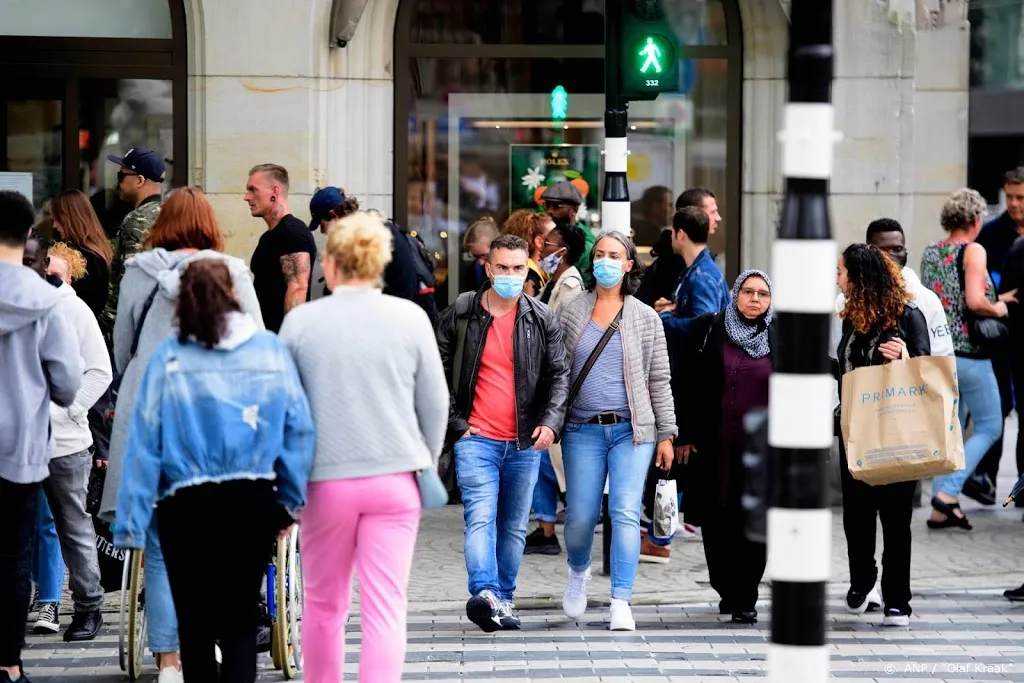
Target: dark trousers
<point>1004,371</point>
<point>735,564</point>
<point>216,540</point>
<point>894,505</point>
<point>19,511</point>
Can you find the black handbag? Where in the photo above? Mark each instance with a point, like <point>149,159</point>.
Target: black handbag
<point>988,334</point>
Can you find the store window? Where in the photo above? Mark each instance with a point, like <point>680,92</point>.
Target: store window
<point>77,85</point>
<point>495,101</point>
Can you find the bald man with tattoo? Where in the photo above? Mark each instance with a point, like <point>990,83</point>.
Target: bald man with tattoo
<point>284,257</point>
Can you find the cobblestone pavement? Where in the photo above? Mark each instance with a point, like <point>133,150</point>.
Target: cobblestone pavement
<point>954,636</point>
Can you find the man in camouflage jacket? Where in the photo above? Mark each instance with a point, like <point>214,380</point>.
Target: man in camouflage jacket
<point>140,182</point>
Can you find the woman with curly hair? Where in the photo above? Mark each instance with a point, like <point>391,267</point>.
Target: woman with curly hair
<point>880,320</point>
<point>534,228</point>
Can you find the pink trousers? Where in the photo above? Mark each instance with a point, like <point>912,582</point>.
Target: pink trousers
<point>368,525</point>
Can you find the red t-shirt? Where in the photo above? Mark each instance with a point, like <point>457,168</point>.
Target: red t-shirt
<point>494,404</point>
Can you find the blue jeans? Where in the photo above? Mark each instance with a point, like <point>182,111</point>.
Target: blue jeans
<point>48,569</point>
<point>590,454</point>
<point>979,395</point>
<point>497,486</point>
<point>545,493</point>
<point>161,619</point>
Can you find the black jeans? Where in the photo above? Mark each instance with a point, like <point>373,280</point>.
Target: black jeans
<point>216,540</point>
<point>894,505</point>
<point>989,464</point>
<point>735,564</point>
<point>19,524</point>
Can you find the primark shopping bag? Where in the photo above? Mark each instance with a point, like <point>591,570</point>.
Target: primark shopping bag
<point>900,420</point>
<point>111,560</point>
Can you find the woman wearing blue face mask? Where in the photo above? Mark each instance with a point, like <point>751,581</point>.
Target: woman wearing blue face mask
<point>619,415</point>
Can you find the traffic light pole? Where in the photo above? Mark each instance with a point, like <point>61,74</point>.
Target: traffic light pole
<point>800,423</point>
<point>615,195</point>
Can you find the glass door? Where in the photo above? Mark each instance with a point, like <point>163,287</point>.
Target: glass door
<point>31,139</point>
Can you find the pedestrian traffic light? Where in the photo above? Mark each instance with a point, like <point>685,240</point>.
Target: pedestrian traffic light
<point>647,64</point>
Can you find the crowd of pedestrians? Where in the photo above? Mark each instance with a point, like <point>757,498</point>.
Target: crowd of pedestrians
<point>321,389</point>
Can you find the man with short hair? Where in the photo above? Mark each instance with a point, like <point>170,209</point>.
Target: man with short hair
<point>662,277</point>
<point>140,182</point>
<point>71,459</point>
<point>509,380</point>
<point>283,260</point>
<point>39,362</point>
<point>998,237</point>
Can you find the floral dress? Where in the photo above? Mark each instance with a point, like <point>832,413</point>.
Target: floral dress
<point>940,273</point>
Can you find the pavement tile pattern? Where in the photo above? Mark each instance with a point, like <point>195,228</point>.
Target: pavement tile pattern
<point>954,636</point>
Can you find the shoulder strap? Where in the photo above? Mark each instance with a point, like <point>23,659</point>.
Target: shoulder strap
<point>463,304</point>
<point>142,321</point>
<point>594,355</point>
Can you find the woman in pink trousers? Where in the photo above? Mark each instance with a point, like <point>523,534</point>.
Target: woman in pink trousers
<point>373,374</point>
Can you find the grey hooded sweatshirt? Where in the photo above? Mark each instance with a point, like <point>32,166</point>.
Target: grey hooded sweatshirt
<point>39,362</point>
<point>160,269</point>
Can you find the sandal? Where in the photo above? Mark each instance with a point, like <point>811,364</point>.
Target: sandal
<point>953,520</point>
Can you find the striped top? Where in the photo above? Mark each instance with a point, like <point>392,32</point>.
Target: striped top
<point>604,389</point>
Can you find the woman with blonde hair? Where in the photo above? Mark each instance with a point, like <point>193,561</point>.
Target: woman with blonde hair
<point>186,231</point>
<point>76,223</point>
<point>377,388</point>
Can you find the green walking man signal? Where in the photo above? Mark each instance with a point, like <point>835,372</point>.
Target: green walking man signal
<point>652,53</point>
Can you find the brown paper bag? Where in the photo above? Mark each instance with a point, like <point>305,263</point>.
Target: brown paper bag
<point>900,421</point>
<point>555,453</point>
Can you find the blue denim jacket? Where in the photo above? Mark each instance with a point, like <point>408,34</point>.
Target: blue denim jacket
<point>701,289</point>
<point>214,415</point>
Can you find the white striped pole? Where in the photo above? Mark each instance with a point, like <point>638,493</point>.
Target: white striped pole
<point>615,212</point>
<point>800,419</point>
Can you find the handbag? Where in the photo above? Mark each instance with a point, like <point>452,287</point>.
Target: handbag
<point>592,359</point>
<point>989,334</point>
<point>433,493</point>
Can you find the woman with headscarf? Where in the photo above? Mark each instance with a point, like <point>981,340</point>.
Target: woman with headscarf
<point>728,356</point>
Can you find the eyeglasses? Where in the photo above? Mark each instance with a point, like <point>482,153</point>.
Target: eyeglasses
<point>755,293</point>
<point>121,175</point>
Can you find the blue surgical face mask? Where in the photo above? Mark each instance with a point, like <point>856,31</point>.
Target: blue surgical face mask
<point>608,272</point>
<point>508,286</point>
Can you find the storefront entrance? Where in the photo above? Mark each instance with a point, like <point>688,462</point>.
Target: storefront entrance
<point>66,102</point>
<point>494,101</point>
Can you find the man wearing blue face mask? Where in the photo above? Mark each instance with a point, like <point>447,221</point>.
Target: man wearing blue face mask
<point>508,381</point>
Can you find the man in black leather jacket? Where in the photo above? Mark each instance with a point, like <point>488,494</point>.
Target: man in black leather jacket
<point>508,378</point>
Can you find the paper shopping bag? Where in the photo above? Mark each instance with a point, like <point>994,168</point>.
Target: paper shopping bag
<point>900,420</point>
<point>666,509</point>
<point>555,453</point>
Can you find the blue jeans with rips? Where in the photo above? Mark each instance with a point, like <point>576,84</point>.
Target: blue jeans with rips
<point>496,481</point>
<point>591,453</point>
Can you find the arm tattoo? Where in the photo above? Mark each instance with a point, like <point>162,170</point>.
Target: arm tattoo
<point>295,268</point>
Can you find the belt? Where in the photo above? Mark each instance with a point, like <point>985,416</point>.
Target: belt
<point>607,419</point>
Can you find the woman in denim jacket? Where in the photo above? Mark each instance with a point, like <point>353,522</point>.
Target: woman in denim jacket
<point>221,439</point>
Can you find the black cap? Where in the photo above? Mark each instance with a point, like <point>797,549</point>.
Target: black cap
<point>145,162</point>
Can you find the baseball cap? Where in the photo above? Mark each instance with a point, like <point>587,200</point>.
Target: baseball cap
<point>562,192</point>
<point>145,162</point>
<point>322,202</point>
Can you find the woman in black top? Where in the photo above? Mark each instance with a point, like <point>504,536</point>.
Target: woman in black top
<point>879,321</point>
<point>77,224</point>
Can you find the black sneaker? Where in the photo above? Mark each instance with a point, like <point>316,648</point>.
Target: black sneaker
<point>84,626</point>
<point>482,610</point>
<point>1015,594</point>
<point>859,603</point>
<point>980,488</point>
<point>508,617</point>
<point>896,616</point>
<point>47,621</point>
<point>539,544</point>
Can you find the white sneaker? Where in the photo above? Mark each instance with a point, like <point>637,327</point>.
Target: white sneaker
<point>621,616</point>
<point>574,599</point>
<point>170,674</point>
<point>688,532</point>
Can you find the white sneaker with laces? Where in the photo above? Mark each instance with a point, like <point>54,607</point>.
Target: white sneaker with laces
<point>170,674</point>
<point>621,617</point>
<point>574,600</point>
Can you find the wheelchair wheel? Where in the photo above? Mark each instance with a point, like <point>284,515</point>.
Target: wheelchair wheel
<point>131,639</point>
<point>286,651</point>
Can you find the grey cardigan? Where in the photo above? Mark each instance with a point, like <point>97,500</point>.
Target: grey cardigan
<point>645,354</point>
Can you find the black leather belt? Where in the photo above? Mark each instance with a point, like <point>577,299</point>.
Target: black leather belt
<point>607,419</point>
